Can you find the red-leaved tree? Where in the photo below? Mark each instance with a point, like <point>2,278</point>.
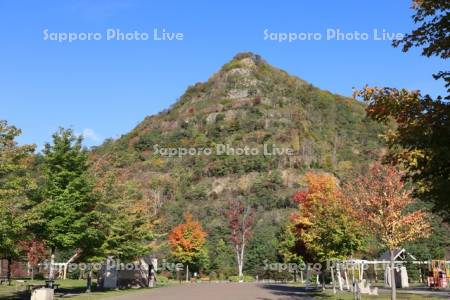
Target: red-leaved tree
<point>240,219</point>
<point>35,251</point>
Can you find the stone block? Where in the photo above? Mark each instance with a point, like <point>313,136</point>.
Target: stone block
<point>42,294</point>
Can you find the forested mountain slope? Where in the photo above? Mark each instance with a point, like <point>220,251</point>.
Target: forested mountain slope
<point>249,103</point>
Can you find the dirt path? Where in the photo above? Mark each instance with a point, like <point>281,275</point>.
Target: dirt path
<point>220,291</point>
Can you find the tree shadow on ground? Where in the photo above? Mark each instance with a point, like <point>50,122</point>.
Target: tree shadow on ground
<point>292,292</point>
<point>16,295</point>
<point>60,292</point>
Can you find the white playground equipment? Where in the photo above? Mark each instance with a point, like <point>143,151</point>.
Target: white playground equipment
<point>351,271</point>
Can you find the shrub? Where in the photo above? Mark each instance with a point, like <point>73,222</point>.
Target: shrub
<point>220,117</point>
<point>161,279</point>
<point>234,64</point>
<point>147,140</point>
<point>246,278</point>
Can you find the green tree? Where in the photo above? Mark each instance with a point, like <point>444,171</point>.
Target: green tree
<point>127,234</point>
<point>287,245</point>
<point>15,183</point>
<point>66,217</point>
<point>262,246</point>
<point>432,34</point>
<point>222,259</point>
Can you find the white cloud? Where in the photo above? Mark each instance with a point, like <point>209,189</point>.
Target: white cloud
<point>90,134</point>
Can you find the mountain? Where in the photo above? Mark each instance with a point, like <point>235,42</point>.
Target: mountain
<point>249,103</point>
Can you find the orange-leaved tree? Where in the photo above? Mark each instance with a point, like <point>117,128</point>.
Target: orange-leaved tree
<point>187,242</point>
<point>323,226</point>
<point>381,201</point>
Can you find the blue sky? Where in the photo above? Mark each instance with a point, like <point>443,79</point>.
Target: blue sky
<point>105,88</point>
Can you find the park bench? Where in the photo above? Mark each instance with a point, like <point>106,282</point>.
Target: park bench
<point>33,286</point>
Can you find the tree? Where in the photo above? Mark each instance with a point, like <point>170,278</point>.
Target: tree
<point>287,247</point>
<point>381,201</point>
<point>187,242</point>
<point>432,34</point>
<point>66,217</point>
<point>240,221</point>
<point>420,141</point>
<point>127,234</point>
<point>222,261</point>
<point>323,227</point>
<point>262,246</point>
<point>35,251</point>
<point>15,183</point>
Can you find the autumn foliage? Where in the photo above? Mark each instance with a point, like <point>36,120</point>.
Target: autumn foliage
<point>323,226</point>
<point>187,241</point>
<point>240,220</point>
<point>419,141</point>
<point>381,201</point>
<point>35,251</point>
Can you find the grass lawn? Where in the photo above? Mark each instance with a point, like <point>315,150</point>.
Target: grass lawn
<point>73,288</point>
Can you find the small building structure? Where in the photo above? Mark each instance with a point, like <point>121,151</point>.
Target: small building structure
<point>140,273</point>
<point>401,274</point>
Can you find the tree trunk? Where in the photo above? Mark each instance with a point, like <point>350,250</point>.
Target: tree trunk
<point>241,266</point>
<point>151,276</point>
<point>77,253</point>
<point>353,273</point>
<point>393,285</point>
<point>187,273</point>
<point>375,269</point>
<point>240,261</point>
<point>241,275</point>
<point>8,272</point>
<point>421,274</point>
<point>322,275</point>
<point>51,271</point>
<point>89,281</point>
